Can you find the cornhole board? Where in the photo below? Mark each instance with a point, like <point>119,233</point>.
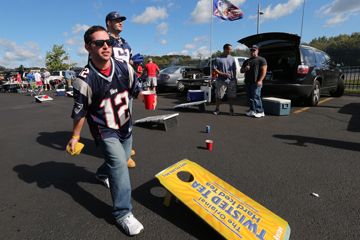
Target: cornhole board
<point>168,120</point>
<point>43,98</point>
<point>229,211</point>
<point>201,105</point>
<point>70,93</point>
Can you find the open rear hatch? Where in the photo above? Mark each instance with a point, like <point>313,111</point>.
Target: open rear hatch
<point>281,51</point>
<point>265,40</point>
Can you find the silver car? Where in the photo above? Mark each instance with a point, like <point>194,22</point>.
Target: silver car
<point>168,77</point>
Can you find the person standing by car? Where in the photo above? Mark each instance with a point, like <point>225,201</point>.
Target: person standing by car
<point>121,50</point>
<point>225,68</point>
<point>101,95</point>
<point>255,71</point>
<point>152,70</point>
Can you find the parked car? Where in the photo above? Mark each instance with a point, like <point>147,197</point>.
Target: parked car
<point>168,77</point>
<point>239,60</point>
<point>296,70</point>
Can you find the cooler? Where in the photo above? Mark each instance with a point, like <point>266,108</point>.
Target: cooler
<point>195,95</point>
<point>60,92</point>
<point>276,106</point>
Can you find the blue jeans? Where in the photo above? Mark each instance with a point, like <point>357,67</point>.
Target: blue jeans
<point>115,167</point>
<point>254,97</point>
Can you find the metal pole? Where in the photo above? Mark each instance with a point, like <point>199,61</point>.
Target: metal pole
<point>211,36</point>
<point>258,18</point>
<point>302,19</point>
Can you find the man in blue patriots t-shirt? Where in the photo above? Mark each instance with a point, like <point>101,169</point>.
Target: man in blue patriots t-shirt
<point>101,95</point>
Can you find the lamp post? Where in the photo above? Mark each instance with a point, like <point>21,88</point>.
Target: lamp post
<point>258,18</point>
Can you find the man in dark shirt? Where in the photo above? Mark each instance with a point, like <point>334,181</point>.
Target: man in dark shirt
<point>101,95</point>
<point>255,71</point>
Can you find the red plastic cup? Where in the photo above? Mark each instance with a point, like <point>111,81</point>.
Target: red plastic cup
<point>209,144</point>
<point>149,100</point>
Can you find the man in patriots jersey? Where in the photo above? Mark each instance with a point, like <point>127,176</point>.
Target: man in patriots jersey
<point>121,49</point>
<point>101,95</point>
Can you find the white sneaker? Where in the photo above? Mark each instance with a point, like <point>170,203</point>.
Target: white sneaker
<point>130,224</point>
<point>259,115</point>
<point>103,180</point>
<point>250,113</point>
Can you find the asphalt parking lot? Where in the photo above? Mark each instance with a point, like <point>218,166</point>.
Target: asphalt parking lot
<point>277,161</point>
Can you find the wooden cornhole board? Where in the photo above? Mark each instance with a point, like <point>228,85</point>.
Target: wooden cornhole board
<point>43,98</point>
<point>201,105</point>
<point>168,120</point>
<point>230,212</point>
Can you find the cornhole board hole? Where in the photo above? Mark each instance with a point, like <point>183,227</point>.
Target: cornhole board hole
<point>201,105</point>
<point>229,211</point>
<point>70,93</point>
<point>167,120</point>
<point>43,98</point>
<point>276,106</point>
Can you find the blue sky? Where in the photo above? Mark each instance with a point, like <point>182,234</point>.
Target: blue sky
<point>29,28</point>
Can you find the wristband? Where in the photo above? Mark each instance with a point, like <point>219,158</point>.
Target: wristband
<point>77,137</point>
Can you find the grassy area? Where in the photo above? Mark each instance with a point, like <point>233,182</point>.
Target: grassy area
<point>352,91</point>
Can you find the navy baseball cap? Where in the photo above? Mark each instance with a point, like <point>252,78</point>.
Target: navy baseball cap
<point>113,16</point>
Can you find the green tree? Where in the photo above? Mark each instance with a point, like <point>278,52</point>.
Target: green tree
<point>56,59</point>
<point>342,48</point>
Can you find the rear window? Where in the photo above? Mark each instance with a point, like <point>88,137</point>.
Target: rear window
<point>308,56</point>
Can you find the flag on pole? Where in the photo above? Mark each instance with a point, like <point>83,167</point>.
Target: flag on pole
<point>225,10</point>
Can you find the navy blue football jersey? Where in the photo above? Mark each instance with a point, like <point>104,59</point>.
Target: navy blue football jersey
<point>104,100</point>
<point>121,50</point>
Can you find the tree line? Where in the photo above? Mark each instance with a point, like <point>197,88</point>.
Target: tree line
<point>344,49</point>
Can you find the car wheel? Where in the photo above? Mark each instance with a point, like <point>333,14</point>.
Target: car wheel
<point>180,87</point>
<point>339,90</point>
<point>314,97</point>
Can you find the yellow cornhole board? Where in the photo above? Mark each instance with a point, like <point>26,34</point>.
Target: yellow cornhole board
<point>230,212</point>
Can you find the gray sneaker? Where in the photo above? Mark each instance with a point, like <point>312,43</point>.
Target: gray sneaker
<point>103,180</point>
<point>250,113</point>
<point>130,224</point>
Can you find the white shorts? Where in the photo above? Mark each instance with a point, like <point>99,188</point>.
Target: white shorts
<point>151,81</point>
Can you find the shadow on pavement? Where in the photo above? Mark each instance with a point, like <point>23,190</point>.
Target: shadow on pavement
<point>353,110</point>
<point>58,141</point>
<point>151,195</point>
<point>302,140</point>
<point>66,177</point>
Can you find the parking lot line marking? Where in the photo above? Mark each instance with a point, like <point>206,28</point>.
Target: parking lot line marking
<point>307,108</point>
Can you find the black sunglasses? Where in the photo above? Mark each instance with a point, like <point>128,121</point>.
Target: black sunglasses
<point>100,43</point>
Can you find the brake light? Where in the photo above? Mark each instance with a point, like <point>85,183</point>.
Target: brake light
<point>303,69</point>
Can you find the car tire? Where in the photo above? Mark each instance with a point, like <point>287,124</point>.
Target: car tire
<point>340,89</point>
<point>314,97</point>
<point>180,87</point>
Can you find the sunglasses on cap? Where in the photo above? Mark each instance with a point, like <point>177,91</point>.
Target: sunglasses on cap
<point>100,43</point>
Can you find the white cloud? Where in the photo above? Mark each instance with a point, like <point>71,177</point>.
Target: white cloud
<point>190,46</point>
<point>339,11</point>
<point>151,14</point>
<point>202,12</point>
<point>279,10</point>
<point>13,55</point>
<point>72,41</point>
<point>163,41</point>
<point>162,28</point>
<point>80,28</point>
<point>201,52</point>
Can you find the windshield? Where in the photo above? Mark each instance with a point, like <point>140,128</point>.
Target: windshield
<point>170,70</point>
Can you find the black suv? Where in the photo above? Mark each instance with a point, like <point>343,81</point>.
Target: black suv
<point>296,70</point>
